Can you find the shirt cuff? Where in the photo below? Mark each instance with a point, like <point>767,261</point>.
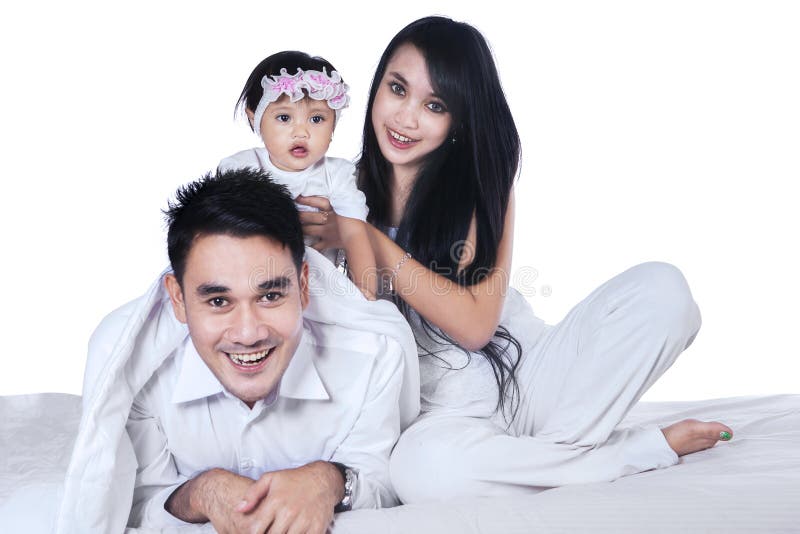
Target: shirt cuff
<point>156,516</point>
<point>663,455</point>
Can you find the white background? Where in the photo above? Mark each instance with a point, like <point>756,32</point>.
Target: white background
<point>651,131</point>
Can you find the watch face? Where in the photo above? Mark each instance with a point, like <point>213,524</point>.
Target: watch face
<point>350,476</point>
<point>349,486</point>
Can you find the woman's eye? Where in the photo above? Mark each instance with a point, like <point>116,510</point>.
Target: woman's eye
<point>437,107</point>
<point>396,88</point>
<point>217,302</point>
<point>317,119</point>
<point>283,118</point>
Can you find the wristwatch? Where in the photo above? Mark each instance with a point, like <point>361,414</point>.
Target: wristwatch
<point>350,477</point>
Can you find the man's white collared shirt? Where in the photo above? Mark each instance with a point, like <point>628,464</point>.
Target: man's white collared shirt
<point>333,403</point>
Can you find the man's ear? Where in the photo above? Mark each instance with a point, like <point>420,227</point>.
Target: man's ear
<point>304,285</point>
<point>176,297</point>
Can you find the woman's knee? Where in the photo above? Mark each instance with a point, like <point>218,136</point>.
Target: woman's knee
<point>666,298</point>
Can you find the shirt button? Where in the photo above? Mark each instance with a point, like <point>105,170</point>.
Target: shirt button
<point>246,463</point>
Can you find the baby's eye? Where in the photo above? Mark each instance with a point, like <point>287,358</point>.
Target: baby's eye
<point>317,119</point>
<point>396,88</point>
<point>437,107</point>
<point>217,302</point>
<point>283,118</point>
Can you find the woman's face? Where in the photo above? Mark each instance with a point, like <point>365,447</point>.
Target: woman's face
<point>409,119</point>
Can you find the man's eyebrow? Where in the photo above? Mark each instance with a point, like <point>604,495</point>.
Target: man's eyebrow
<point>281,282</point>
<point>211,289</point>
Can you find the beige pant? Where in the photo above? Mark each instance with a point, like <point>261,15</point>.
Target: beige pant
<point>577,384</point>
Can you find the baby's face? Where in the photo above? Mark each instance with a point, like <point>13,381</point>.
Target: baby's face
<point>297,134</point>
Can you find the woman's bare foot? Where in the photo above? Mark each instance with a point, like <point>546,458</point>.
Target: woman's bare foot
<point>691,435</point>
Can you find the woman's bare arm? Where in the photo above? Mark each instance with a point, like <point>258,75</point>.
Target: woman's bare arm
<point>469,315</point>
<point>360,258</point>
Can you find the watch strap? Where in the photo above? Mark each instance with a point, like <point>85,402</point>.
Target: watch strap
<point>349,475</point>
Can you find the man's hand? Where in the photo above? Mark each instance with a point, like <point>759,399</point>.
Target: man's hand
<point>294,500</point>
<point>210,496</point>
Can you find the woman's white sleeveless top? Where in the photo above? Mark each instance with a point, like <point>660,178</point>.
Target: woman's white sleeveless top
<point>453,380</point>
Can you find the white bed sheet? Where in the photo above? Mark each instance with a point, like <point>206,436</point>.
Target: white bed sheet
<point>751,484</point>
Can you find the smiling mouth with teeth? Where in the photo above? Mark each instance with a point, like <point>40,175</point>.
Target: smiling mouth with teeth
<point>249,360</point>
<point>401,138</point>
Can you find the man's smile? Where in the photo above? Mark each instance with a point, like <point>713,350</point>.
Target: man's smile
<point>249,361</point>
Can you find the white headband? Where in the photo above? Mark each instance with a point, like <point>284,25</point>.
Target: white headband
<point>318,85</point>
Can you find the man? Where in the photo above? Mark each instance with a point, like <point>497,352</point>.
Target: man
<point>256,419</point>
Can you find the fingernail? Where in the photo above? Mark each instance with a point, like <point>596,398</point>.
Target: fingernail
<point>241,506</point>
<point>724,436</point>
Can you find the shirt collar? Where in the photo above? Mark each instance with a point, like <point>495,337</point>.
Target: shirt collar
<point>195,380</point>
<point>300,381</point>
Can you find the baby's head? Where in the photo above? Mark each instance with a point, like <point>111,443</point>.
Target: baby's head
<point>292,101</point>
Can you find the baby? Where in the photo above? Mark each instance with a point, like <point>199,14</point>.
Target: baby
<point>293,101</point>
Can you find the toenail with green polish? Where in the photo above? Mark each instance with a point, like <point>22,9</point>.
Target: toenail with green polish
<point>724,436</point>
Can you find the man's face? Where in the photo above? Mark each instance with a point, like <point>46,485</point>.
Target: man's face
<point>243,301</point>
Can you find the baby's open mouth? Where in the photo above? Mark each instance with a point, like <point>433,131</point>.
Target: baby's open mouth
<point>299,151</point>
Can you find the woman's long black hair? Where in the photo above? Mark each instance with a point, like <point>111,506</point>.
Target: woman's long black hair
<point>470,173</point>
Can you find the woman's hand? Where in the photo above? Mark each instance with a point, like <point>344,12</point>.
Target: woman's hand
<point>321,225</point>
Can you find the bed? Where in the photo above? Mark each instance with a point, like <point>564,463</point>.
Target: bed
<point>750,484</point>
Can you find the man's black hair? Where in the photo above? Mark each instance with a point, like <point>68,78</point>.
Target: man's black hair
<point>239,203</point>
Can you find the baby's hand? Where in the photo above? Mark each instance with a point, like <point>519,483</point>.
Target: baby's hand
<point>322,224</point>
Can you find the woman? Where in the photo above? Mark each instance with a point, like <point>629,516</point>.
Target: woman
<point>510,404</point>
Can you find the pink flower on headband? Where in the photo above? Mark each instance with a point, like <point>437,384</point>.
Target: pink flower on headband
<point>284,83</point>
<point>312,83</point>
<point>317,85</point>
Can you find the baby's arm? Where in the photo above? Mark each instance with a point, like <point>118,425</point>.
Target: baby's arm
<point>360,258</point>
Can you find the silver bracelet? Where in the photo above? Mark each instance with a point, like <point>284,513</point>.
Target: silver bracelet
<point>396,270</point>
